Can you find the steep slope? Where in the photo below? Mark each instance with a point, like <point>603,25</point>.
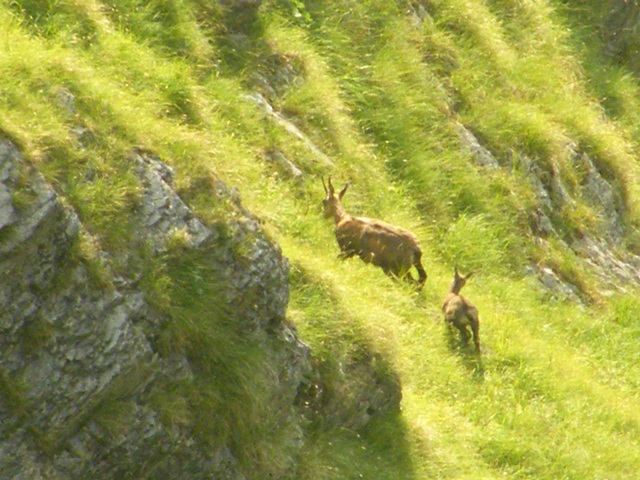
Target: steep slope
<point>171,302</point>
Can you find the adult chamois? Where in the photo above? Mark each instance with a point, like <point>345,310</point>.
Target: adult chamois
<point>460,312</point>
<point>391,248</point>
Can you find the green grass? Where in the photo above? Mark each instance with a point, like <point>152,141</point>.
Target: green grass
<point>555,394</point>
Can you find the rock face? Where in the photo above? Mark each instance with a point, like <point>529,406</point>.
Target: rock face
<point>161,209</point>
<point>72,351</point>
<point>352,405</point>
<point>598,249</point>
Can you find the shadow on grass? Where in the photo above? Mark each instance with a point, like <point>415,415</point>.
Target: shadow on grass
<point>381,451</point>
<point>355,427</point>
<point>471,359</point>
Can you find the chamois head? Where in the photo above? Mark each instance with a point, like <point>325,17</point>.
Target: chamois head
<point>331,203</point>
<point>459,281</point>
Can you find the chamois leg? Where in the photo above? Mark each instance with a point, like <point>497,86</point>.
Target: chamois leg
<point>409,278</point>
<point>346,254</point>
<point>399,273</point>
<point>389,272</point>
<point>452,335</point>
<point>475,326</point>
<point>464,335</point>
<point>458,335</point>
<point>422,274</point>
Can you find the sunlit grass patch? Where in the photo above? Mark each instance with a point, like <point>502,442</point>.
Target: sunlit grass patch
<point>473,243</point>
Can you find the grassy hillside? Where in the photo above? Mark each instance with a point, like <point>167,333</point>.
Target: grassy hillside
<point>379,88</point>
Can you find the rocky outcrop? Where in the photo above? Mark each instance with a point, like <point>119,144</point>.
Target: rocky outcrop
<point>368,390</point>
<point>290,128</point>
<point>161,210</point>
<point>79,367</point>
<point>82,366</point>
<point>470,143</point>
<point>599,248</point>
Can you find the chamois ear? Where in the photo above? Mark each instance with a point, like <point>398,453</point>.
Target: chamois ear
<point>468,275</point>
<point>331,189</point>
<point>342,192</point>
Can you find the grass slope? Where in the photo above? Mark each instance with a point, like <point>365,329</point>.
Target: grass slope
<point>555,394</point>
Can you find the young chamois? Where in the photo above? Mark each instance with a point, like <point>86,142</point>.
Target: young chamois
<point>393,249</point>
<point>460,312</point>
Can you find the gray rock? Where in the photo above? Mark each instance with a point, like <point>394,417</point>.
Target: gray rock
<point>556,288</point>
<point>73,350</point>
<point>286,165</point>
<point>162,212</point>
<point>598,251</point>
<point>616,271</point>
<point>601,195</point>
<point>67,100</point>
<point>9,155</point>
<point>419,15</point>
<point>470,143</point>
<point>290,127</point>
